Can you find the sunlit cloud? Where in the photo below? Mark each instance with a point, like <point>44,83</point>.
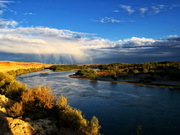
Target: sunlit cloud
<point>49,44</point>
<point>44,42</point>
<point>136,42</point>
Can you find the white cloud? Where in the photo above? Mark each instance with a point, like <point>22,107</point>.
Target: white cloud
<point>143,10</point>
<point>149,10</point>
<point>28,13</point>
<point>44,41</point>
<point>135,42</point>
<point>172,36</point>
<point>46,32</point>
<point>108,20</point>
<point>128,9</point>
<point>3,6</point>
<point>158,8</point>
<point>8,24</point>
<point>96,43</point>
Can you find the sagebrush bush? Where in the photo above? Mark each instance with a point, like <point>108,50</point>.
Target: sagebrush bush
<point>62,102</point>
<point>73,119</point>
<point>14,90</point>
<point>94,126</point>
<point>38,102</point>
<point>5,80</point>
<point>16,110</point>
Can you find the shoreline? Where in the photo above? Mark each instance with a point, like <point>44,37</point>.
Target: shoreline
<point>162,84</point>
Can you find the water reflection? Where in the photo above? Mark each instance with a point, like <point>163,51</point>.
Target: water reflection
<point>119,107</point>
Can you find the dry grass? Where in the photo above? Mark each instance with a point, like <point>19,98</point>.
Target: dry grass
<point>6,66</point>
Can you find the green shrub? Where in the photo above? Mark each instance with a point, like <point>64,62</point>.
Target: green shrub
<point>14,90</point>
<point>5,80</point>
<point>87,73</point>
<point>59,68</point>
<point>73,119</point>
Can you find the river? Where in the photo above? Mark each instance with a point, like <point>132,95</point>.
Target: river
<point>119,107</point>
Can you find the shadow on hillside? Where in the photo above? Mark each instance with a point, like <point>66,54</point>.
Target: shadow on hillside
<point>4,127</point>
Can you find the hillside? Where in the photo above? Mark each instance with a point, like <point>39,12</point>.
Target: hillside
<point>6,66</point>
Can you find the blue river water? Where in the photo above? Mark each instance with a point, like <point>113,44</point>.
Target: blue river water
<point>119,107</point>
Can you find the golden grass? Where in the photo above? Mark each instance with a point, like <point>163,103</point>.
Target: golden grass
<point>6,66</point>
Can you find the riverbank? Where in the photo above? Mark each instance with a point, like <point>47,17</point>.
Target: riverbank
<point>135,81</point>
<point>36,110</point>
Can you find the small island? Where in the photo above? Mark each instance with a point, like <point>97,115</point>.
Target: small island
<point>161,74</point>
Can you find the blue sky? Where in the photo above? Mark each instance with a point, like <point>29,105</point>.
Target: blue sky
<point>151,19</point>
<point>84,31</point>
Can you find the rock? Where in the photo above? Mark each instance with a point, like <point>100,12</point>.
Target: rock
<point>15,127</point>
<point>4,103</point>
<point>12,126</point>
<point>45,126</point>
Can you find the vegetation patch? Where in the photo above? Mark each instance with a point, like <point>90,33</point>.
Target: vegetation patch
<point>39,103</point>
<point>59,68</point>
<point>87,73</point>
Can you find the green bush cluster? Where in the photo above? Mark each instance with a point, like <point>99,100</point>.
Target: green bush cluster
<point>168,69</point>
<point>35,103</point>
<point>40,103</point>
<point>58,68</point>
<point>5,80</point>
<point>14,90</point>
<point>87,73</point>
<point>73,119</point>
<point>24,71</point>
<point>10,87</point>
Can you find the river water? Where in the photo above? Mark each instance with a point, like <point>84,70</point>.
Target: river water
<point>119,107</point>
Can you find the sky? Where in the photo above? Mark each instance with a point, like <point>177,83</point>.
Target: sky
<point>89,31</point>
